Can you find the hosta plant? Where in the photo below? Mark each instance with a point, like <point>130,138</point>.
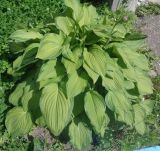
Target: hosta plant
<point>75,78</point>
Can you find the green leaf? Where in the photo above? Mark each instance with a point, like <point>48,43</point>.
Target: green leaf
<point>95,109</point>
<point>30,54</point>
<point>80,135</point>
<point>78,104</point>
<point>119,31</point>
<point>18,122</point>
<point>40,121</point>
<point>95,59</point>
<point>139,116</point>
<point>56,108</point>
<point>50,46</point>
<point>49,74</point>
<point>47,71</point>
<point>89,15</point>
<point>147,105</point>
<point>76,7</point>
<point>16,48</point>
<point>38,144</point>
<point>44,83</point>
<point>24,35</point>
<point>91,38</point>
<point>141,62</point>
<point>144,85</point>
<point>27,58</point>
<point>103,31</point>
<point>67,52</point>
<point>30,100</point>
<point>129,85</point>
<point>64,24</point>
<point>117,102</point>
<point>17,63</point>
<point>135,45</point>
<point>94,76</point>
<point>16,95</point>
<point>27,96</point>
<point>143,82</point>
<point>130,57</point>
<point>71,64</point>
<point>75,85</point>
<point>135,37</point>
<point>115,81</point>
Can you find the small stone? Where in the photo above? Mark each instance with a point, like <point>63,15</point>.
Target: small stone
<point>157,68</point>
<point>152,74</point>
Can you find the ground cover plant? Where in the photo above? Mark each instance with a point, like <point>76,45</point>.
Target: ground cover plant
<point>14,15</point>
<point>148,9</point>
<point>86,72</point>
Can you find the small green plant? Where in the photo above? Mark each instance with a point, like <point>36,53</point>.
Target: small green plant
<point>148,9</point>
<point>86,72</point>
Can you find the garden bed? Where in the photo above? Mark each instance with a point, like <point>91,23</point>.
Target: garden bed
<point>39,17</point>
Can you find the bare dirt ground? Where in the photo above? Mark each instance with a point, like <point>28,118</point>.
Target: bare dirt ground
<point>150,25</point>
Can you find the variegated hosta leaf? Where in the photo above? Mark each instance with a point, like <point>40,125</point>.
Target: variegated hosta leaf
<point>139,116</point>
<point>56,108</point>
<point>50,46</point>
<point>117,102</point>
<point>16,95</point>
<point>18,122</point>
<point>25,35</point>
<point>80,135</point>
<point>64,24</point>
<point>75,85</point>
<point>95,109</point>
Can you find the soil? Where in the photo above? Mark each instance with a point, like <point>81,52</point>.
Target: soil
<point>150,25</point>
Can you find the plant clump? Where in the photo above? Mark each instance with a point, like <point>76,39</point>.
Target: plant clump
<point>85,73</point>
